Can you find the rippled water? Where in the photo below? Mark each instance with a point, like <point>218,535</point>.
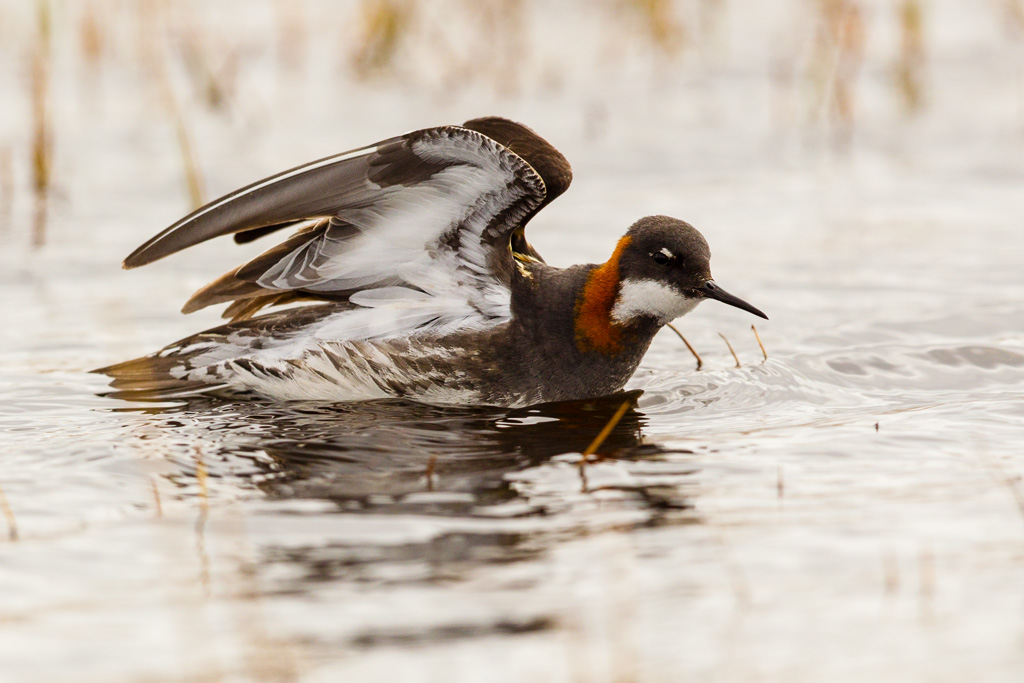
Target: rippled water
<point>850,508</point>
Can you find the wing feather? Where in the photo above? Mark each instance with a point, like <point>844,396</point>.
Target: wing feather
<point>423,225</point>
<point>301,193</point>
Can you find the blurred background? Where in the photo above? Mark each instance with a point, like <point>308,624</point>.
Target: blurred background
<point>108,103</point>
<point>848,508</point>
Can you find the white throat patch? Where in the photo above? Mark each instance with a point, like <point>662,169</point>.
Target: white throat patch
<point>649,298</point>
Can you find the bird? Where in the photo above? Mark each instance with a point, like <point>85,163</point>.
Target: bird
<point>406,273</point>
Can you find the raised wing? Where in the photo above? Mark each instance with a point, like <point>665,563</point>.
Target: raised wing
<point>423,221</point>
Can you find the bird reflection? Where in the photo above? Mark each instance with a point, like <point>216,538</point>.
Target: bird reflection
<point>376,455</point>
<point>408,460</point>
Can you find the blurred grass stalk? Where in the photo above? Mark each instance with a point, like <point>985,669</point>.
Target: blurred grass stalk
<point>153,30</point>
<point>190,168</point>
<point>292,34</point>
<point>91,35</point>
<point>42,130</point>
<point>838,56</point>
<point>665,31</point>
<point>1014,11</point>
<point>6,185</point>
<point>469,41</point>
<point>911,60</point>
<point>384,23</point>
<point>12,523</point>
<point>214,85</point>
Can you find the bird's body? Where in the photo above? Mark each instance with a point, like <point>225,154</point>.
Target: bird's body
<point>421,282</point>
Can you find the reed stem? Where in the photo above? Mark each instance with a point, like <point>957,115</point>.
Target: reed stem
<point>734,356</point>
<point>700,363</point>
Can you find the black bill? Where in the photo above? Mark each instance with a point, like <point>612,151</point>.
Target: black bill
<point>712,291</point>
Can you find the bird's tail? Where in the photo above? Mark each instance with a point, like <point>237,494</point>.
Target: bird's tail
<point>154,378</point>
<point>189,367</point>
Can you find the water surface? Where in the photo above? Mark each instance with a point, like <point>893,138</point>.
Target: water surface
<point>850,508</point>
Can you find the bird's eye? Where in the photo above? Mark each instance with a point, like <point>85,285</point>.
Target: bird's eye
<point>661,258</point>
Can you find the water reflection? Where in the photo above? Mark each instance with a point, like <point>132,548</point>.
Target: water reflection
<point>489,485</point>
<point>388,456</point>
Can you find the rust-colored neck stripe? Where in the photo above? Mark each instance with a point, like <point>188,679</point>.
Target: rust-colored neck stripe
<point>595,330</point>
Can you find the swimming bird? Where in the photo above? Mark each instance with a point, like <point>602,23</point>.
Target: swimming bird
<point>413,278</point>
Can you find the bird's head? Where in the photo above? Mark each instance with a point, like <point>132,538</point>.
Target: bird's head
<point>659,271</point>
<point>665,271</point>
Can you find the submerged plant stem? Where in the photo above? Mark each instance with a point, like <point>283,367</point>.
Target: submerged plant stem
<point>603,434</point>
<point>12,523</point>
<point>156,498</point>
<point>700,363</point>
<point>759,343</point>
<point>431,465</point>
<point>42,143</point>
<point>734,356</point>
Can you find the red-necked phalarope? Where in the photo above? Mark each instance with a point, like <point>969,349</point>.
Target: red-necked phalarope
<point>412,252</point>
